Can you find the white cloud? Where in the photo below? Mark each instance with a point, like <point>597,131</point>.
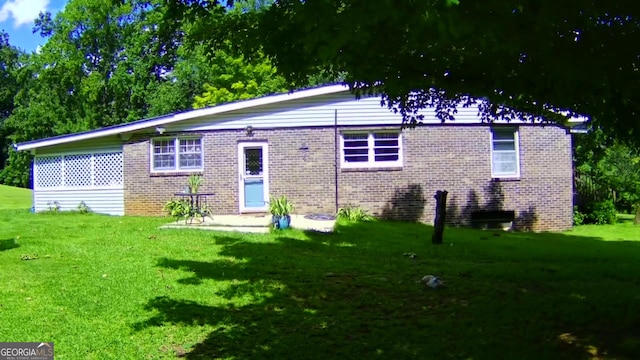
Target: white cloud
<point>23,12</point>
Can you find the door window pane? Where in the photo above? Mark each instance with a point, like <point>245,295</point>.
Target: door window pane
<point>253,161</point>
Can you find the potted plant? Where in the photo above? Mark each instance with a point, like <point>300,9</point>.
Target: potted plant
<point>280,209</point>
<point>194,183</point>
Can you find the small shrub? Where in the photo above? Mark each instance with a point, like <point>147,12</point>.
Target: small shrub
<point>53,206</point>
<point>83,208</point>
<point>602,212</point>
<point>353,214</point>
<point>178,209</point>
<point>578,216</point>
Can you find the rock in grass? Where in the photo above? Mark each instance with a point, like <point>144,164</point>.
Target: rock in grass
<point>432,281</point>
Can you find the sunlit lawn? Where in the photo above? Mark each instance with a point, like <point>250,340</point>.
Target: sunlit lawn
<point>14,198</point>
<point>110,287</point>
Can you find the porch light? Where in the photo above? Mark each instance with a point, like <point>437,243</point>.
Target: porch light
<point>249,130</point>
<point>304,150</point>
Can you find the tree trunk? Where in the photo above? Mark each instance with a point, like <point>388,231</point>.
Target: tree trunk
<point>636,220</point>
<point>441,216</point>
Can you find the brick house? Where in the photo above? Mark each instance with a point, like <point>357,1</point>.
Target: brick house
<point>323,149</point>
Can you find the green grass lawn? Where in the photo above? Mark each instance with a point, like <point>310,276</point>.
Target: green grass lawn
<point>118,288</point>
<point>14,198</point>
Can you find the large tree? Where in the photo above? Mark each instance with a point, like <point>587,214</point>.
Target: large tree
<point>540,57</point>
<point>100,66</point>
<point>236,78</point>
<point>108,62</point>
<point>10,60</point>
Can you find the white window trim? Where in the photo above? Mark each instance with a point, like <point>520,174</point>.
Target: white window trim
<point>371,163</point>
<point>516,139</point>
<point>176,146</point>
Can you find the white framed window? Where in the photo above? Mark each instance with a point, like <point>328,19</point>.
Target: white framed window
<point>371,149</point>
<point>505,152</point>
<point>176,154</point>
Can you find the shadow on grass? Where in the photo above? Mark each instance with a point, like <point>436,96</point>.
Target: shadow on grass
<point>8,244</point>
<point>354,294</point>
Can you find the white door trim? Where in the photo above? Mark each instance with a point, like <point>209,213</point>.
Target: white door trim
<point>241,174</point>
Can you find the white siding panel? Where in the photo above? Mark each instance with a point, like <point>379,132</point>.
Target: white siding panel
<point>103,201</point>
<point>318,111</point>
<point>302,113</point>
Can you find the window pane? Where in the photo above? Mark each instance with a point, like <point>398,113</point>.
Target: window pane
<point>504,145</point>
<point>371,147</point>
<point>356,158</point>
<point>386,154</point>
<point>253,161</point>
<point>190,161</point>
<point>383,151</point>
<point>355,136</point>
<point>505,163</point>
<point>506,156</point>
<point>164,162</point>
<point>190,146</point>
<point>389,157</point>
<point>385,139</point>
<point>503,134</point>
<point>164,154</point>
<point>356,144</point>
<point>163,147</point>
<point>386,147</point>
<point>505,168</point>
<point>190,153</point>
<point>358,151</point>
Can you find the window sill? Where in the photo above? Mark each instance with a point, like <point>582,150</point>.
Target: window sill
<point>175,173</point>
<point>505,178</point>
<point>370,169</point>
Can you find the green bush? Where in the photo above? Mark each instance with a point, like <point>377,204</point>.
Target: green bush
<point>602,212</point>
<point>178,209</point>
<point>579,217</point>
<point>354,214</point>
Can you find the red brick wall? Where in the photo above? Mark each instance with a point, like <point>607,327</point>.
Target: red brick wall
<point>450,157</point>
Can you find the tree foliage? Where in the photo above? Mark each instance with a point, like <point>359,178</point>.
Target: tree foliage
<point>238,79</point>
<point>539,57</point>
<point>619,169</point>
<point>607,171</point>
<point>108,62</point>
<point>9,64</point>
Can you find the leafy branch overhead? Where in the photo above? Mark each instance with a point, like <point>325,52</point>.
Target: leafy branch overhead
<point>535,57</point>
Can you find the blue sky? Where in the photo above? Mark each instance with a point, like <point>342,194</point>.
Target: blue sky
<point>16,18</point>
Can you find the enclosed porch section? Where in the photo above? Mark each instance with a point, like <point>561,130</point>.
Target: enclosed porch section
<point>63,181</point>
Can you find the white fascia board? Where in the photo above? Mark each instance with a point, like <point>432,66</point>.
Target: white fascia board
<point>193,114</point>
<point>92,134</point>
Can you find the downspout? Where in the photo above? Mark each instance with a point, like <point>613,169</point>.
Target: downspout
<point>335,153</point>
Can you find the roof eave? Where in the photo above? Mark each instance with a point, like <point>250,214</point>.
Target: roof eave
<point>188,115</point>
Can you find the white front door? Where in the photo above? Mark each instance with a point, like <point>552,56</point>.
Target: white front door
<point>253,180</point>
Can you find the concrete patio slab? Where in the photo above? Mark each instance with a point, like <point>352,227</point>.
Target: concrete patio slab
<point>258,223</point>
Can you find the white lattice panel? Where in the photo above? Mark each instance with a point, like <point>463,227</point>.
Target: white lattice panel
<point>108,169</point>
<point>77,170</point>
<point>48,170</point>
